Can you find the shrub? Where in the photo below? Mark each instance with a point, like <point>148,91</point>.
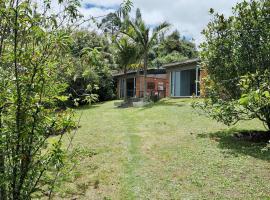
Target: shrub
<point>236,57</point>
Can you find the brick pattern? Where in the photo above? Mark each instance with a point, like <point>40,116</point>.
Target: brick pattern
<point>202,83</point>
<point>140,84</point>
<point>168,85</point>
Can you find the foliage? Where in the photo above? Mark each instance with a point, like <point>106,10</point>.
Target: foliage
<point>113,22</point>
<point>126,52</point>
<point>173,48</point>
<point>125,8</point>
<point>255,98</point>
<point>110,24</point>
<point>169,58</point>
<point>236,58</point>
<point>32,43</point>
<point>89,76</point>
<point>88,70</point>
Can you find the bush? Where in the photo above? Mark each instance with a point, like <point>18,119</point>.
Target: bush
<point>89,77</point>
<point>236,58</point>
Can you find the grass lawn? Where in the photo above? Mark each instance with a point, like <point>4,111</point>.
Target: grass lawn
<point>165,151</point>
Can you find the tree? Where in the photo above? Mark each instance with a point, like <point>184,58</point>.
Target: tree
<point>110,24</point>
<point>127,54</point>
<point>35,50</point>
<point>33,42</point>
<point>172,48</point>
<point>142,36</point>
<point>174,43</point>
<point>89,76</point>
<point>236,58</point>
<point>113,22</point>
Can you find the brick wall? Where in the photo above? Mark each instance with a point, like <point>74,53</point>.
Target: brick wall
<point>140,84</point>
<point>202,84</point>
<point>168,85</point>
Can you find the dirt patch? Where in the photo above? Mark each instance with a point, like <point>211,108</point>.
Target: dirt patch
<point>133,102</point>
<point>253,136</point>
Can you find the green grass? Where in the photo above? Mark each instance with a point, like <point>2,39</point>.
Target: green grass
<point>165,151</point>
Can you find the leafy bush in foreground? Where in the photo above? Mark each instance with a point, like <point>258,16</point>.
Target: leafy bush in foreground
<point>236,58</point>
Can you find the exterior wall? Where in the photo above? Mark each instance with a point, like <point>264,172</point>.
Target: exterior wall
<point>140,84</point>
<point>202,83</point>
<point>166,80</point>
<point>150,78</point>
<point>168,86</point>
<point>118,79</point>
<point>118,88</point>
<point>190,66</point>
<point>139,81</point>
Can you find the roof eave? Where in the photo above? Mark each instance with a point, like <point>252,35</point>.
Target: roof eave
<point>182,63</point>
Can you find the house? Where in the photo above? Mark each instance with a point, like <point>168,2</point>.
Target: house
<point>184,78</point>
<point>156,83</point>
<point>178,79</point>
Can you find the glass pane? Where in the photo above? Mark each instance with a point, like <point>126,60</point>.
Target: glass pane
<point>188,82</point>
<point>121,88</point>
<point>177,84</point>
<point>173,84</point>
<point>198,82</point>
<point>130,87</point>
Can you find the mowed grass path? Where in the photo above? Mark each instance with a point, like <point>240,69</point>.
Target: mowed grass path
<point>165,151</point>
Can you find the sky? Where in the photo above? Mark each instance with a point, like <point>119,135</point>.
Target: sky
<point>188,16</point>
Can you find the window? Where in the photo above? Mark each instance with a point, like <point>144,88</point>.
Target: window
<point>185,82</point>
<point>150,85</point>
<point>121,88</point>
<point>160,86</point>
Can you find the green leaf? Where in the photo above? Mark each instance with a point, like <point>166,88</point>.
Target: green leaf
<point>62,98</point>
<point>244,100</point>
<point>266,94</point>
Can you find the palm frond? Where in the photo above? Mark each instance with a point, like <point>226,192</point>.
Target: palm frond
<point>125,8</point>
<point>138,36</point>
<point>160,28</point>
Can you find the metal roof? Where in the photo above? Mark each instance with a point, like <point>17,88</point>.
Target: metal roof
<point>149,71</point>
<point>161,70</point>
<point>181,63</point>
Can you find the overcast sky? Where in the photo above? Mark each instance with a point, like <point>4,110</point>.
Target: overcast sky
<point>188,16</point>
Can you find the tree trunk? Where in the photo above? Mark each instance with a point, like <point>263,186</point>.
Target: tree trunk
<point>2,166</point>
<point>125,84</point>
<point>18,143</point>
<point>2,171</point>
<point>145,75</point>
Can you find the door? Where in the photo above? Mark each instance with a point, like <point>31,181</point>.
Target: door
<point>184,83</point>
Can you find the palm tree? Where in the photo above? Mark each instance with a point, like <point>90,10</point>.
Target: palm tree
<point>127,55</point>
<point>146,38</point>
